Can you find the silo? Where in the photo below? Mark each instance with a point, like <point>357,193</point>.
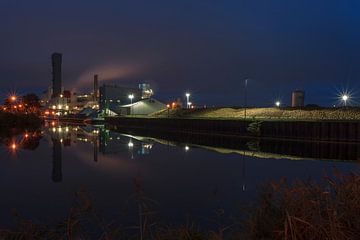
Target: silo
<point>298,98</point>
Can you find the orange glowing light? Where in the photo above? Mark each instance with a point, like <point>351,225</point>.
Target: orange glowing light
<point>20,105</point>
<point>53,123</point>
<point>15,107</point>
<point>13,146</point>
<point>26,135</point>
<point>13,98</point>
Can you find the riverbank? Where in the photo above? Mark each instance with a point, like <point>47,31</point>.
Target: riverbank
<point>20,121</point>
<point>286,113</point>
<point>327,131</point>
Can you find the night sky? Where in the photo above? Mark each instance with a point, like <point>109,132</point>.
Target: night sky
<point>206,47</point>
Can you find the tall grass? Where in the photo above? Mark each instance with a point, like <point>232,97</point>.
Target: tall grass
<point>306,210</point>
<point>303,210</point>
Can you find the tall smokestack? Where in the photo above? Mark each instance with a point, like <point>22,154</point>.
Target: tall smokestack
<point>96,87</point>
<point>56,73</point>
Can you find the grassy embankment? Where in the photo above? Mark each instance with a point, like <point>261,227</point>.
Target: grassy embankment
<point>304,210</point>
<point>291,114</point>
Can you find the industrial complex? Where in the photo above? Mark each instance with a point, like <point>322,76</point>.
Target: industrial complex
<point>104,100</point>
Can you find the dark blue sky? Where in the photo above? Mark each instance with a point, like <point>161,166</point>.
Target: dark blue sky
<point>208,47</point>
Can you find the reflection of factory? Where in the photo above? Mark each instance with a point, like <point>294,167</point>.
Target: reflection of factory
<point>112,142</point>
<point>57,161</point>
<point>103,141</point>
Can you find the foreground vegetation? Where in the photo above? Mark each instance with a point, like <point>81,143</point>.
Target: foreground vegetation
<point>307,113</point>
<point>304,210</point>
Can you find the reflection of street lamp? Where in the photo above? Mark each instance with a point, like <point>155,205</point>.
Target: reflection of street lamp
<point>187,99</point>
<point>345,98</point>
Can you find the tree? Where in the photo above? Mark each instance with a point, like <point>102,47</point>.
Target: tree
<point>31,102</point>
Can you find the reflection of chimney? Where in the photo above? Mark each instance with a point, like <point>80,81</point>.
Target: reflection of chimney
<point>96,148</point>
<point>96,87</point>
<point>57,158</point>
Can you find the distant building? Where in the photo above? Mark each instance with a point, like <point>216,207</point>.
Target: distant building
<point>146,91</point>
<point>56,74</point>
<point>112,96</point>
<point>298,98</point>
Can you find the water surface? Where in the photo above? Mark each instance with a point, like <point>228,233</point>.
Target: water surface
<point>41,172</point>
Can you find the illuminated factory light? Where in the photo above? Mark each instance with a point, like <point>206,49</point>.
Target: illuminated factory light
<point>13,146</point>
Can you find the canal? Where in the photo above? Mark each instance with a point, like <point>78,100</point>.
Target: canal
<point>43,173</point>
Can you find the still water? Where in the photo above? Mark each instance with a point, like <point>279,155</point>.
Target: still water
<point>41,172</point>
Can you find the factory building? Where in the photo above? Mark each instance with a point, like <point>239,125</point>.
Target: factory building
<point>298,98</point>
<point>125,101</point>
<point>142,107</point>
<point>56,59</point>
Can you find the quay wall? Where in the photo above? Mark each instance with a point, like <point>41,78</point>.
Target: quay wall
<point>339,131</point>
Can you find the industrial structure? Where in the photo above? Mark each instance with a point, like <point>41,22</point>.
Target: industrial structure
<point>116,100</point>
<point>298,98</point>
<point>96,92</point>
<point>105,100</point>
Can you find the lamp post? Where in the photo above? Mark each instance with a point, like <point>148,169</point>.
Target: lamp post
<point>168,109</point>
<point>131,96</point>
<point>245,97</point>
<point>187,99</point>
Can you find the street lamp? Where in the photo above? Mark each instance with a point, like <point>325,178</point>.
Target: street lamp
<point>13,98</point>
<point>345,97</point>
<point>187,99</point>
<point>277,103</point>
<point>131,96</point>
<point>245,97</point>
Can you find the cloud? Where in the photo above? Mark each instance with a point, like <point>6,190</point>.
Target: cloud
<point>108,72</point>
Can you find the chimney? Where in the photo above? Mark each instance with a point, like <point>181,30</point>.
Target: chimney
<point>96,87</point>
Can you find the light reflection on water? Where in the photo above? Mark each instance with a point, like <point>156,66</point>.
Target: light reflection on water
<point>41,171</point>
